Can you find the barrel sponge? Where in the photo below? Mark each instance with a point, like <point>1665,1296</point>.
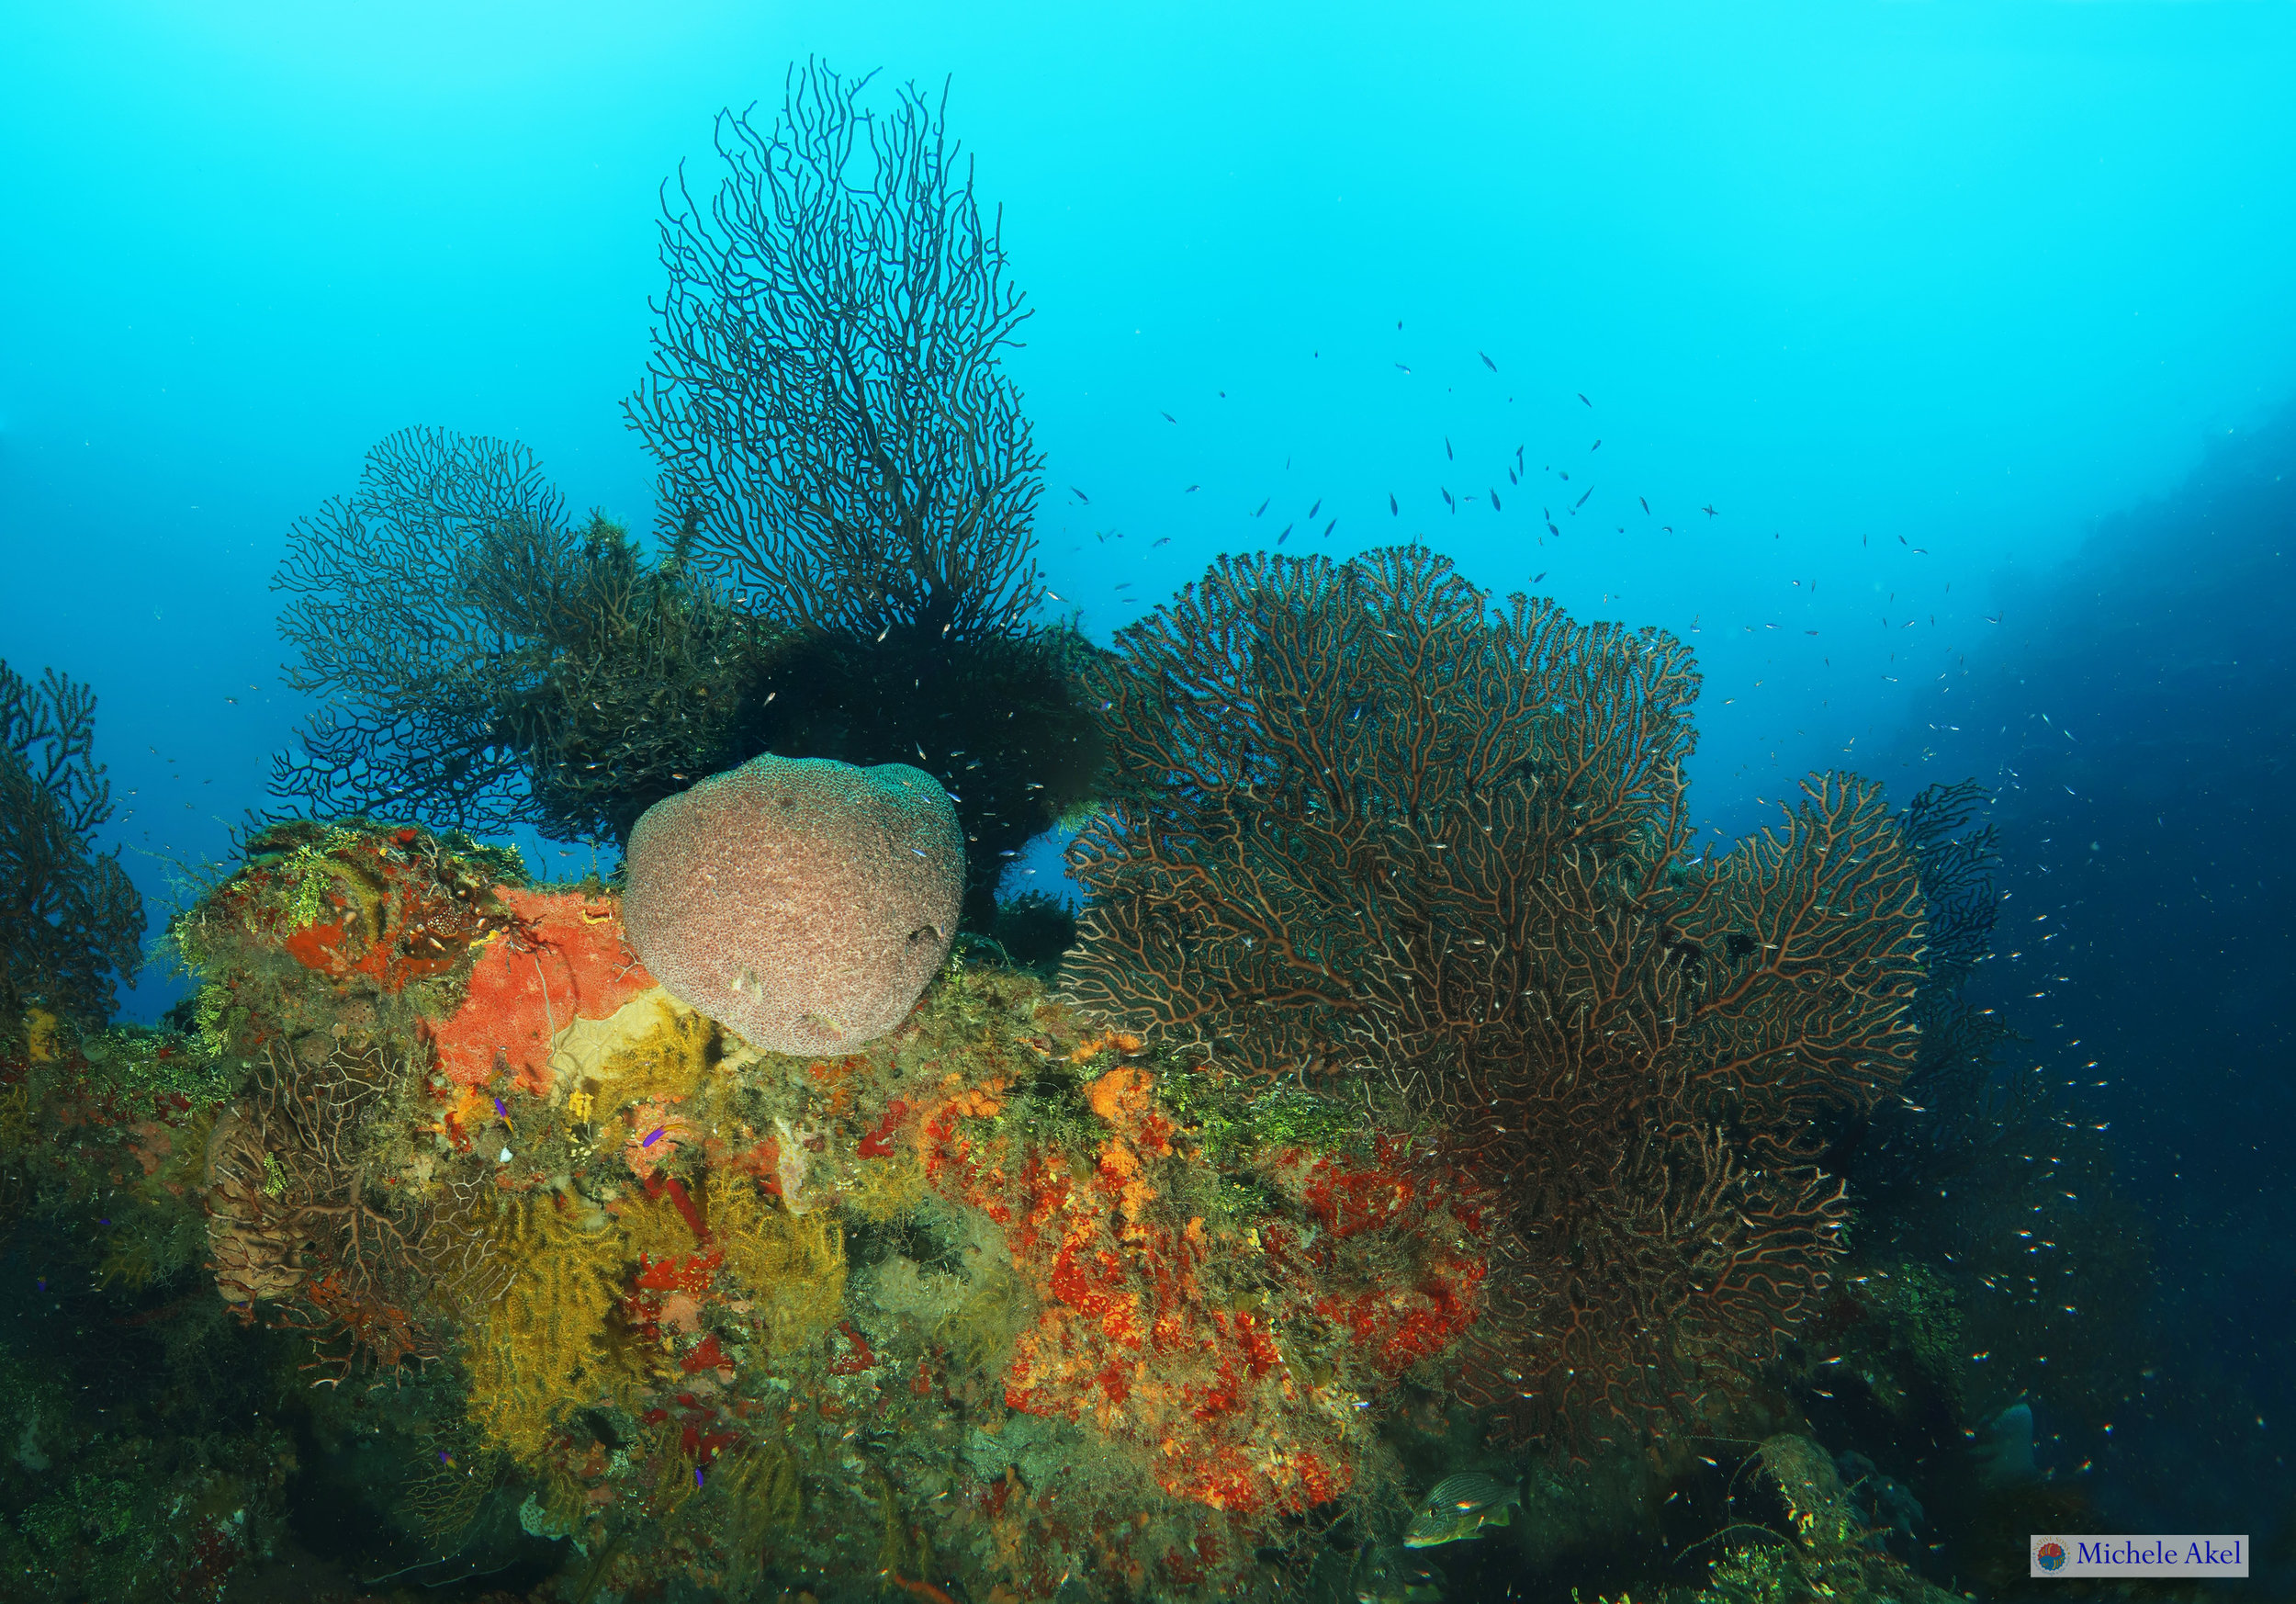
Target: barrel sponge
<point>799,902</point>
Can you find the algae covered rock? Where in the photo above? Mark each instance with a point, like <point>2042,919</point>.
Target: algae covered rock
<point>799,902</point>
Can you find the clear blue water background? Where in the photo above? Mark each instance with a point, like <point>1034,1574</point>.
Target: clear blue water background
<point>1973,324</point>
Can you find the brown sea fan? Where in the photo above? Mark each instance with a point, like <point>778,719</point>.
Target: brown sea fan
<point>1369,824</point>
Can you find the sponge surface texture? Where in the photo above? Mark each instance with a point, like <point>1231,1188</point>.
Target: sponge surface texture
<point>801,903</point>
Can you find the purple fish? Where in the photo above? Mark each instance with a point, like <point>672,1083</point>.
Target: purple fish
<point>653,1136</point>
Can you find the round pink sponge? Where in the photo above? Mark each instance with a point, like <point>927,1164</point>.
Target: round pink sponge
<point>799,902</point>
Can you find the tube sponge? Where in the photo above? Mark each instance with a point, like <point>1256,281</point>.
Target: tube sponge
<point>799,902</point>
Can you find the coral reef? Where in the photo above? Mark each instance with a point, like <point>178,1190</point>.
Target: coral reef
<point>1367,827</point>
<point>1042,1300</point>
<point>1011,1299</point>
<point>70,921</point>
<point>799,902</point>
<point>1417,1097</point>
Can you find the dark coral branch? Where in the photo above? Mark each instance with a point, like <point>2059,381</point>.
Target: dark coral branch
<point>1628,1304</point>
<point>482,664</point>
<point>294,1226</point>
<point>827,396</point>
<point>70,921</point>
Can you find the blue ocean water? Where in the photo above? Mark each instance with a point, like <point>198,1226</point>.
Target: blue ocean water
<point>1927,368</point>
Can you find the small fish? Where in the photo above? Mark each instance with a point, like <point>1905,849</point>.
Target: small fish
<point>1384,1576</point>
<point>1312,511</point>
<point>1449,501</point>
<point>1583,398</point>
<point>1538,576</point>
<point>1494,500</point>
<point>1596,446</point>
<point>1167,417</point>
<point>653,1136</point>
<point>1448,454</point>
<point>1582,501</point>
<point>1708,510</point>
<point>1393,511</point>
<point>1285,535</point>
<point>1263,506</point>
<point>1160,540</point>
<point>1329,527</point>
<point>1191,490</point>
<point>1460,1506</point>
<point>1645,505</point>
<point>1080,495</point>
<point>1402,368</point>
<point>1489,363</point>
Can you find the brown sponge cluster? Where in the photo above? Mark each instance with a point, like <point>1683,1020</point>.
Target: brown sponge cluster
<point>801,903</point>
